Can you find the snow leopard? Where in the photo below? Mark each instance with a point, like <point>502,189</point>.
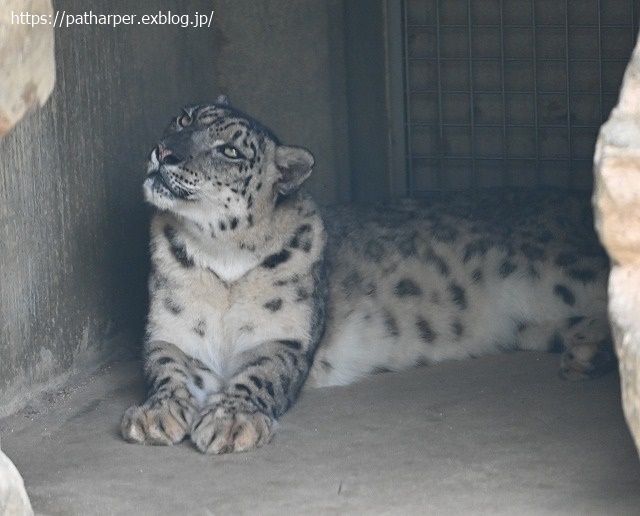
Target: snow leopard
<point>256,291</point>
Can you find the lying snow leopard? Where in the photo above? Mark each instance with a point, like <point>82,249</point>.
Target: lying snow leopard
<point>255,292</point>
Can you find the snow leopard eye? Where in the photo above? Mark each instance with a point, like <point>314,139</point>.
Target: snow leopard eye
<point>184,120</point>
<point>230,152</point>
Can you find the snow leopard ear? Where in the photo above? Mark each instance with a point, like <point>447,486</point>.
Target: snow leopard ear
<point>223,100</point>
<point>295,165</point>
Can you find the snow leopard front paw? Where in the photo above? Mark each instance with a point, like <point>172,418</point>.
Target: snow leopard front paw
<point>587,360</point>
<point>158,422</point>
<point>232,426</point>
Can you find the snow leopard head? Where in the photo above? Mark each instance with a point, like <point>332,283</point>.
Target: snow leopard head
<point>218,166</point>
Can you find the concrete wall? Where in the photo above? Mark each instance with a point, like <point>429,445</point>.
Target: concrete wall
<point>73,228</point>
<point>368,101</point>
<point>314,71</point>
<point>283,62</point>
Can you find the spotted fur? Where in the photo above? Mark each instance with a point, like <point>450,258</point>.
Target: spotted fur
<point>254,292</point>
<point>463,275</point>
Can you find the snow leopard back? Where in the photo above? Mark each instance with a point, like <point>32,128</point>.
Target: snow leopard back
<point>462,275</point>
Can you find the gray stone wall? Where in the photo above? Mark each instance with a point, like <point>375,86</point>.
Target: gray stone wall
<point>73,228</point>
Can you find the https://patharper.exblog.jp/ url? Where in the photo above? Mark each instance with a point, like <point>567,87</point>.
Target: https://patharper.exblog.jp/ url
<point>63,19</point>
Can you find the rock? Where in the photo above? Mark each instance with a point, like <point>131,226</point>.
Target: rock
<point>27,62</point>
<point>27,68</point>
<point>616,203</point>
<point>13,496</point>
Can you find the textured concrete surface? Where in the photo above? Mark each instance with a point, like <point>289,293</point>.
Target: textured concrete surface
<point>497,435</point>
<point>73,229</point>
<point>283,62</point>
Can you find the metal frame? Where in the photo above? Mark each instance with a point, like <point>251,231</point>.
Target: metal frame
<point>503,92</point>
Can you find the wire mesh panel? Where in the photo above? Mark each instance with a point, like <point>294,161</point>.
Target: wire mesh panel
<point>510,92</point>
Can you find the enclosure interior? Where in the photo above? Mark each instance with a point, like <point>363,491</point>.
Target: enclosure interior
<point>395,98</point>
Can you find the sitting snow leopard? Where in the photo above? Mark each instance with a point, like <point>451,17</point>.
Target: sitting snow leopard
<point>255,291</point>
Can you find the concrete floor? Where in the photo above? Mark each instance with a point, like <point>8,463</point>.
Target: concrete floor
<point>497,435</point>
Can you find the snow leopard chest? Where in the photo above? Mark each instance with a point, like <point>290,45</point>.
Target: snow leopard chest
<point>216,318</point>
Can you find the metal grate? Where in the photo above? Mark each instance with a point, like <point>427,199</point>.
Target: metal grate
<point>510,92</point>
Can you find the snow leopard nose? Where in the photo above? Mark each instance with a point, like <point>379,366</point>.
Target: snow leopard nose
<point>166,156</point>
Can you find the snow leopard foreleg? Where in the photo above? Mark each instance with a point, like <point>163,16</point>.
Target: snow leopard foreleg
<point>170,409</point>
<point>244,415</point>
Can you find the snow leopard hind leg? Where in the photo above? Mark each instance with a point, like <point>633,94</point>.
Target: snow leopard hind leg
<point>585,345</point>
